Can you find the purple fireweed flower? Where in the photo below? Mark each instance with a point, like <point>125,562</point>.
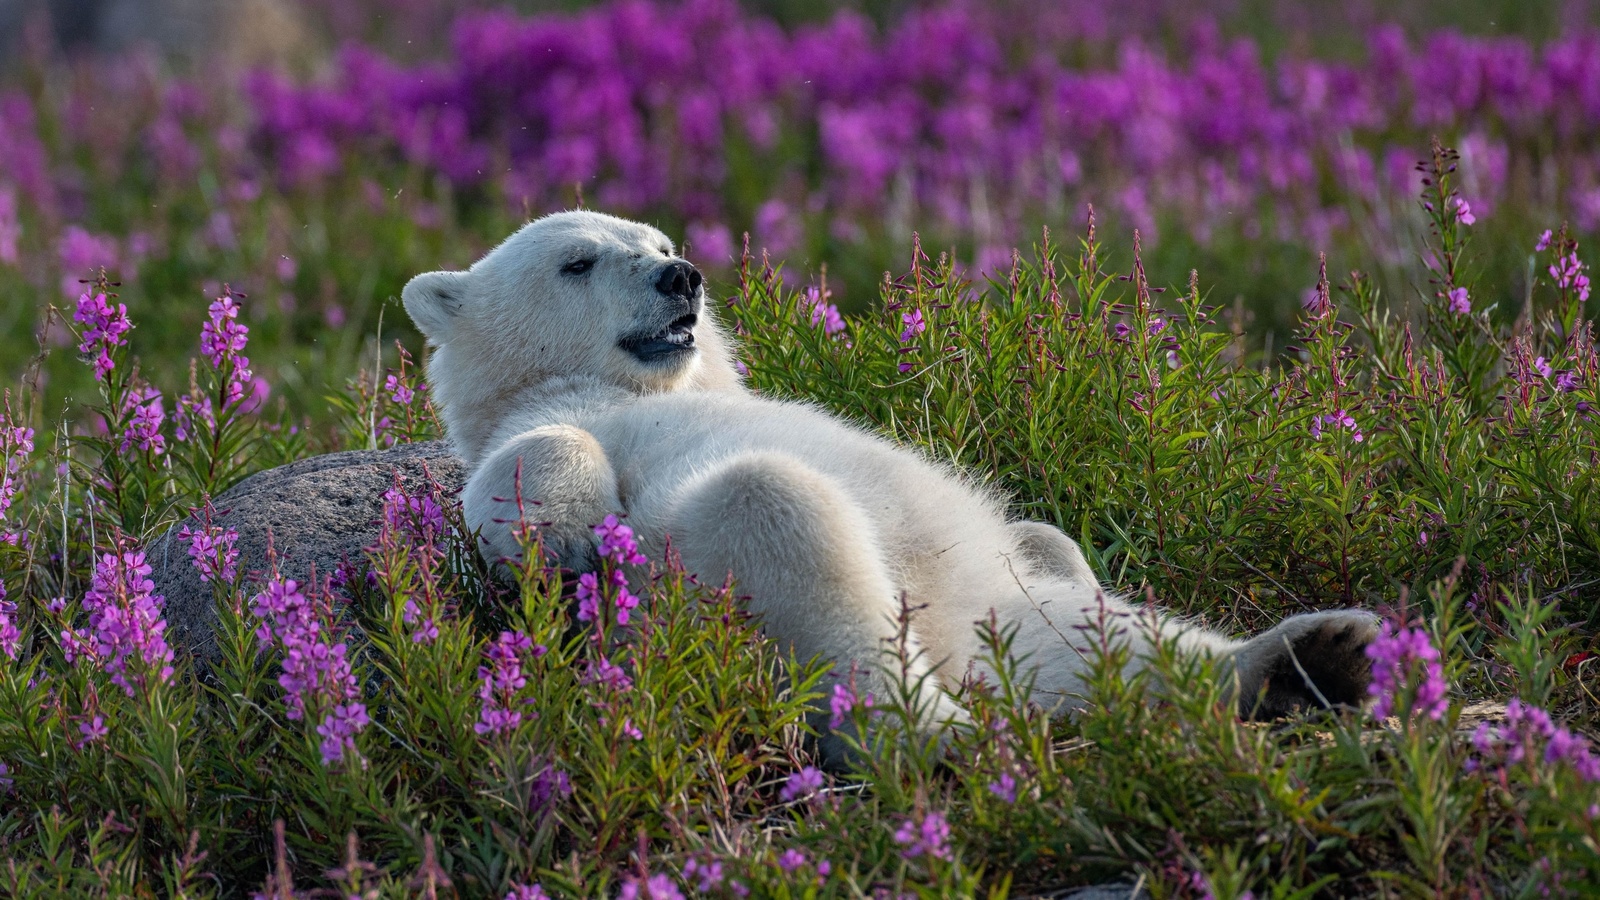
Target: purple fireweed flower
<point>502,678</point>
<point>104,330</point>
<point>1460,304</point>
<point>339,730</point>
<point>1529,734</point>
<point>16,443</point>
<point>213,551</point>
<point>617,542</point>
<point>5,779</point>
<point>1463,211</point>
<point>1338,419</point>
<point>1396,654</point>
<point>608,674</point>
<point>1544,242</point>
<point>527,892</point>
<point>1567,381</point>
<point>631,731</point>
<point>589,598</point>
<point>824,313</point>
<point>93,731</point>
<point>417,518</point>
<point>222,341</point>
<point>126,632</point>
<point>653,887</point>
<point>317,678</point>
<point>801,785</point>
<point>791,859</point>
<point>10,635</point>
<point>144,426</point>
<point>399,391</point>
<point>1005,787</point>
<point>928,837</point>
<point>549,786</point>
<point>913,324</point>
<point>844,701</point>
<point>192,414</point>
<point>707,875</point>
<point>1542,366</point>
<point>1156,326</point>
<point>1568,273</point>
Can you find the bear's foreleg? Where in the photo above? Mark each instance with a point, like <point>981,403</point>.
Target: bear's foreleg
<point>555,477</point>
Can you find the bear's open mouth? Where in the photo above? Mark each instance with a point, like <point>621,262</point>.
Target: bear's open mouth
<point>677,337</point>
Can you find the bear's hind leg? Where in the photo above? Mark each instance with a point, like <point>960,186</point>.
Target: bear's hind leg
<point>811,563</point>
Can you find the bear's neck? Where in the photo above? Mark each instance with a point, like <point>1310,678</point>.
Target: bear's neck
<point>477,424</point>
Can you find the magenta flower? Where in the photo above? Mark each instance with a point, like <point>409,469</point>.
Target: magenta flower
<point>791,859</point>
<point>104,330</point>
<point>10,635</point>
<point>844,701</point>
<point>317,679</point>
<point>1460,304</point>
<point>93,731</point>
<point>655,887</point>
<point>707,875</point>
<point>417,518</point>
<point>801,785</point>
<point>1400,655</point>
<point>617,542</point>
<point>222,342</point>
<point>824,313</point>
<point>1336,420</point>
<point>213,551</point>
<point>144,426</point>
<point>914,325</point>
<point>1568,273</point>
<point>1005,787</point>
<point>608,675</point>
<point>1463,211</point>
<point>1567,381</point>
<point>1542,366</point>
<point>589,598</point>
<point>16,443</point>
<point>399,391</point>
<point>502,680</point>
<point>1529,734</point>
<point>126,632</point>
<point>193,413</point>
<point>527,892</point>
<point>928,837</point>
<point>1544,242</point>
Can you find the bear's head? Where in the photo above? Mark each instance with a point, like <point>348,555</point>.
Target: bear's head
<point>573,296</point>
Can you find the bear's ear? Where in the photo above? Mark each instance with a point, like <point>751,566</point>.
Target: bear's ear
<point>434,300</point>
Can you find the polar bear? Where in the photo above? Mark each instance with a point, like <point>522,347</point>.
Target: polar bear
<point>580,359</point>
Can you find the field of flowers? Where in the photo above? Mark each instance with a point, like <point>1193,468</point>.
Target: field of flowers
<point>199,269</point>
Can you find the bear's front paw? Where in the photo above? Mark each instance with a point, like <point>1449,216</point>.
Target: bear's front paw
<point>1310,661</point>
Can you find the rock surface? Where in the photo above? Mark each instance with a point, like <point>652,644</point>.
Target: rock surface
<point>317,512</point>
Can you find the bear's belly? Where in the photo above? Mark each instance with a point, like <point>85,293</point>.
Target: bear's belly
<point>660,444</point>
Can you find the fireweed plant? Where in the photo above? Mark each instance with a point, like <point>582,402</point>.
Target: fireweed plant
<point>319,187</point>
<point>412,725</point>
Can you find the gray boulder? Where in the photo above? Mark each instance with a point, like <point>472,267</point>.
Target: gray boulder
<point>318,512</point>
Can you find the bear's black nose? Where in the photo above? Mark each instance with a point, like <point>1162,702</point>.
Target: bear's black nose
<point>679,279</point>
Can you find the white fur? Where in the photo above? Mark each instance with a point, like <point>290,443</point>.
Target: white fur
<point>825,524</point>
